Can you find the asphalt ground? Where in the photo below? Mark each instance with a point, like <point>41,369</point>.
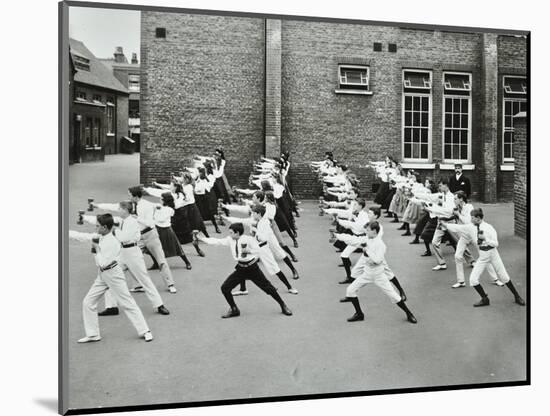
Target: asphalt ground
<point>197,356</point>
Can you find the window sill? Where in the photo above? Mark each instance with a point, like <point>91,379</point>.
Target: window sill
<point>110,134</point>
<point>93,148</point>
<point>354,92</point>
<point>508,168</point>
<point>418,165</point>
<point>451,166</point>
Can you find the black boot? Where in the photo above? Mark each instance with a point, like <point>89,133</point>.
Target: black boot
<point>186,261</point>
<point>295,274</point>
<point>216,225</point>
<point>198,249</point>
<point>358,315</point>
<point>395,219</point>
<point>428,252</point>
<point>234,311</point>
<point>410,316</point>
<point>415,241</point>
<point>484,298</point>
<point>347,267</point>
<point>290,253</point>
<point>205,233</point>
<point>283,279</point>
<point>407,229</point>
<point>518,299</point>
<point>399,288</point>
<point>284,309</point>
<point>403,226</point>
<point>109,312</point>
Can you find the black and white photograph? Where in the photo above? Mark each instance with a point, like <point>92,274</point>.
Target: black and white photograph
<point>263,207</point>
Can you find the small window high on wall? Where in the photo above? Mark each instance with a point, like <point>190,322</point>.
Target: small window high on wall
<point>353,77</point>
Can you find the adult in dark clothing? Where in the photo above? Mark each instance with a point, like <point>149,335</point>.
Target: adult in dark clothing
<point>459,182</point>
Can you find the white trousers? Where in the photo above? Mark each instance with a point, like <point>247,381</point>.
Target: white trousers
<point>486,259</point>
<point>361,265</point>
<point>461,247</point>
<point>132,258</point>
<point>379,278</point>
<point>436,243</point>
<point>113,281</point>
<point>347,252</point>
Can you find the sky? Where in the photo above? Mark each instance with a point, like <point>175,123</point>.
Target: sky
<point>101,30</point>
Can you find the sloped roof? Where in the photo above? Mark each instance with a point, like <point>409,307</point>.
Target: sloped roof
<point>99,74</point>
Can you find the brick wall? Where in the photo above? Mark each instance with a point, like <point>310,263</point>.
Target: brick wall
<point>201,87</point>
<point>358,127</point>
<point>273,88</point>
<point>521,177</point>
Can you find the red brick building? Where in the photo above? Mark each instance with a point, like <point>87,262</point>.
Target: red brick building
<point>429,97</point>
<point>99,108</point>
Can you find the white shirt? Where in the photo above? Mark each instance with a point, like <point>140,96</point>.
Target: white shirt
<point>163,216</point>
<point>490,234</point>
<point>200,186</point>
<point>270,211</point>
<point>236,248</point>
<point>108,251</point>
<point>464,216</point>
<point>218,172</point>
<point>210,182</point>
<point>447,205</point>
<point>375,249</point>
<point>128,231</point>
<point>263,230</point>
<point>145,211</point>
<point>278,190</point>
<point>189,195</point>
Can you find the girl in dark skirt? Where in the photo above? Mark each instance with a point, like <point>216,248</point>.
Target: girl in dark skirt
<point>170,243</point>
<point>220,185</point>
<point>280,219</point>
<point>283,205</point>
<point>271,214</point>
<point>203,198</point>
<point>191,217</point>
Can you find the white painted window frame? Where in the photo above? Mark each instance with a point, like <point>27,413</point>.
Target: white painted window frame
<point>343,80</point>
<point>504,128</point>
<point>452,96</point>
<point>430,114</point>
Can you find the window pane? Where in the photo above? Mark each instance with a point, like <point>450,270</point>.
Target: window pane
<point>523,106</point>
<point>456,151</point>
<point>416,106</point>
<point>425,120</point>
<point>464,152</point>
<point>465,109</point>
<point>424,135</point>
<point>507,107</point>
<point>408,103</point>
<point>408,151</point>
<point>416,135</point>
<point>448,105</point>
<point>456,105</point>
<point>508,151</point>
<point>448,152</point>
<point>408,135</point>
<point>424,151</point>
<point>416,119</point>
<point>464,121</point>
<point>425,104</point>
<point>464,137</point>
<point>456,120</point>
<point>408,117</point>
<point>448,120</point>
<point>448,137</point>
<point>456,136</point>
<point>416,150</point>
<point>508,122</point>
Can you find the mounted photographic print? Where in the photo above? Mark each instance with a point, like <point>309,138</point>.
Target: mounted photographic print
<point>263,207</point>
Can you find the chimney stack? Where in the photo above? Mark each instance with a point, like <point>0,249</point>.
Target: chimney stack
<point>134,58</point>
<point>119,55</point>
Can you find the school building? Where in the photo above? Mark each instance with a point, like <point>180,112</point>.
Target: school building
<point>428,97</point>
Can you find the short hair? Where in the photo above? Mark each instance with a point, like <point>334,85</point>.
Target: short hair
<point>444,181</point>
<point>376,211</point>
<point>127,206</point>
<point>374,226</point>
<point>477,212</point>
<point>136,191</point>
<point>237,227</point>
<point>458,165</point>
<point>361,202</point>
<point>106,220</point>
<point>462,195</point>
<point>258,209</point>
<point>260,195</point>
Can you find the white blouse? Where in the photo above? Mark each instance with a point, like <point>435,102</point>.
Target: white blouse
<point>162,216</point>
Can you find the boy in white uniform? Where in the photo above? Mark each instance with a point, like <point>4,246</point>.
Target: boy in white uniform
<point>373,272</point>
<point>110,278</point>
<point>487,242</point>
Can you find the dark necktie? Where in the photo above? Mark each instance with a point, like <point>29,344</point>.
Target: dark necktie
<point>237,248</point>
<point>121,225</point>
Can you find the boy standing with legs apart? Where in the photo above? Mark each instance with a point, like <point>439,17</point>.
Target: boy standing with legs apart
<point>244,250</point>
<point>487,242</point>
<point>373,272</point>
<point>110,277</point>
